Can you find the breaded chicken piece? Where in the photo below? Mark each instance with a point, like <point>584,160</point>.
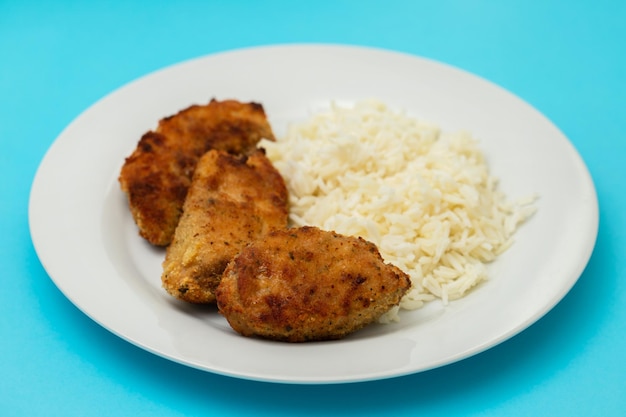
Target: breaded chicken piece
<point>156,176</point>
<point>306,284</point>
<point>232,201</point>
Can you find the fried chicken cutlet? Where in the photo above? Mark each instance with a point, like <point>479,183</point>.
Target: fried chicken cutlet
<point>232,201</point>
<point>157,175</point>
<point>306,284</point>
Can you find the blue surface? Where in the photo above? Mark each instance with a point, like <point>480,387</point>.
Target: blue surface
<point>568,59</point>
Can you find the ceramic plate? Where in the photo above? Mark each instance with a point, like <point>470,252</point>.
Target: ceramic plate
<point>87,241</point>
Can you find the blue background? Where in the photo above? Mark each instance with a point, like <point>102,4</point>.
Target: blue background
<point>568,59</point>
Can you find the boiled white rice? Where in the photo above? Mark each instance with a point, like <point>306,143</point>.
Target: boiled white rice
<point>425,198</point>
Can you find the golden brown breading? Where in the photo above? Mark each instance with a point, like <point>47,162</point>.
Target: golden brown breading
<point>156,176</point>
<point>232,201</point>
<point>306,284</point>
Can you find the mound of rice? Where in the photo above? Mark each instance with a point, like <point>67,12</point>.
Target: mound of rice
<point>426,199</point>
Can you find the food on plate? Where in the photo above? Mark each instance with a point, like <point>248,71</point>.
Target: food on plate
<point>423,196</point>
<point>157,175</point>
<point>232,201</point>
<point>306,284</point>
<point>354,214</point>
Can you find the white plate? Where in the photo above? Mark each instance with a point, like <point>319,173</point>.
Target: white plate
<point>87,241</point>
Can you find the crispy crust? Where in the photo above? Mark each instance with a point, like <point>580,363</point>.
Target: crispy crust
<point>232,201</point>
<point>306,284</point>
<point>157,175</point>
